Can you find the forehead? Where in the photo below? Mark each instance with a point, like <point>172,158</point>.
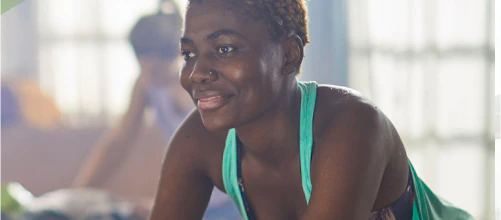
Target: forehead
<point>209,16</point>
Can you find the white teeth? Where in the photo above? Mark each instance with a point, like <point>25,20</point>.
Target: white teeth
<point>210,98</point>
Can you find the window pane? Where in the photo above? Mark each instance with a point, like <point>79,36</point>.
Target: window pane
<point>460,92</point>
<point>461,23</point>
<point>65,18</point>
<point>416,99</point>
<point>497,80</point>
<point>389,23</point>
<point>56,17</point>
<point>62,65</point>
<point>393,81</point>
<point>121,72</point>
<point>70,71</point>
<point>118,16</point>
<point>359,72</point>
<point>46,75</point>
<point>358,23</point>
<point>492,27</point>
<point>89,78</point>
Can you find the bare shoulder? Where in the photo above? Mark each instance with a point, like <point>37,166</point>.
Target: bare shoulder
<point>345,113</point>
<point>339,97</point>
<point>342,106</point>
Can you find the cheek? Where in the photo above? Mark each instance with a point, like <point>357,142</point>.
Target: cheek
<point>265,87</point>
<point>255,82</point>
<point>247,71</point>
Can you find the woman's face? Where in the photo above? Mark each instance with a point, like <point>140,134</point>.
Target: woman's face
<point>232,69</point>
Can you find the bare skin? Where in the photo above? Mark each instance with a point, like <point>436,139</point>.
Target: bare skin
<point>241,78</point>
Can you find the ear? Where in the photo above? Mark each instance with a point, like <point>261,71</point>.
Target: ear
<point>294,53</point>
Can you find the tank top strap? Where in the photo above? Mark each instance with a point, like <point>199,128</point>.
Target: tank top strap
<point>229,172</point>
<point>308,100</point>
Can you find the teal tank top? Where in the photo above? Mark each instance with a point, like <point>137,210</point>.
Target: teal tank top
<point>427,205</point>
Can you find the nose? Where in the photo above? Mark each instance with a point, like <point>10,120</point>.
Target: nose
<point>201,75</point>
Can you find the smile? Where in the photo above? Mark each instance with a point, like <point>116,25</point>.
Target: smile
<point>212,102</point>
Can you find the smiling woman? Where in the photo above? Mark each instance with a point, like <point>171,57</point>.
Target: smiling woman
<point>280,148</point>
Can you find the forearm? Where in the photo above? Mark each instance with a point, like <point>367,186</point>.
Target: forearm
<point>103,159</point>
<point>106,155</point>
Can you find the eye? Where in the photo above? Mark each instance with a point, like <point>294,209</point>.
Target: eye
<point>225,49</point>
<point>187,54</point>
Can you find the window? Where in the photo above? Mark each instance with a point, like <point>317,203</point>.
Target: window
<point>85,60</point>
<point>429,66</point>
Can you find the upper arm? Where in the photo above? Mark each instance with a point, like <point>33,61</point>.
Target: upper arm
<point>348,163</point>
<point>185,188</point>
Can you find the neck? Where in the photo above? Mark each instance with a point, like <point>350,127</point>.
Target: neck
<point>273,137</point>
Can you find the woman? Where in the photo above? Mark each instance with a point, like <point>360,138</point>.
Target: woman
<point>282,149</point>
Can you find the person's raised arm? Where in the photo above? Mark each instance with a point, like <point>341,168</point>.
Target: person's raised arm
<point>106,155</point>
<point>185,186</point>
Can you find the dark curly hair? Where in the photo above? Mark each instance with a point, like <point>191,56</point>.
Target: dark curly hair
<point>157,34</point>
<point>282,16</point>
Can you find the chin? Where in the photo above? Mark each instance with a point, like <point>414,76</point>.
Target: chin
<point>217,123</point>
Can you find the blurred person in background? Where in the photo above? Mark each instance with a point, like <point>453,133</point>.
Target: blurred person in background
<point>155,40</point>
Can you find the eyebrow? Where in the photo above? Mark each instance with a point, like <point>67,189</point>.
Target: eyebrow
<point>186,41</point>
<point>215,35</point>
<point>222,32</point>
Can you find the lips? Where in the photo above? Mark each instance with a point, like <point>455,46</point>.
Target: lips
<point>210,100</point>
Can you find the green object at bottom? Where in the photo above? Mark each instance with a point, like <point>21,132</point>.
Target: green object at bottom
<point>8,4</point>
<point>428,206</point>
<point>9,203</point>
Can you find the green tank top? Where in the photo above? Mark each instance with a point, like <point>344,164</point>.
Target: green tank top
<point>427,205</point>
